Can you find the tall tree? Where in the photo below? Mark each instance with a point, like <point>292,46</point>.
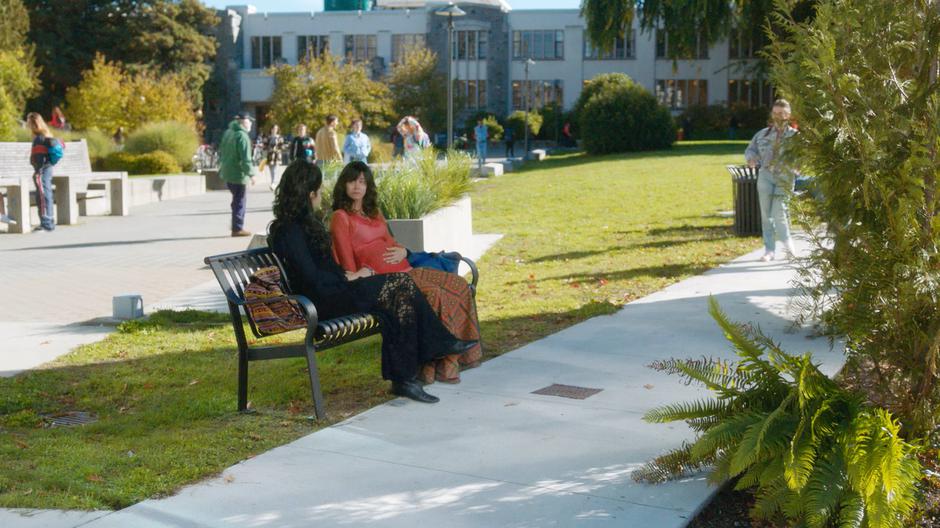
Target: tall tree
<point>419,89</point>
<point>687,22</point>
<point>17,65</point>
<point>161,36</point>
<point>313,89</point>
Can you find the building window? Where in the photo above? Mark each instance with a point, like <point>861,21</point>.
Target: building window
<point>470,45</point>
<point>539,45</point>
<point>360,48</point>
<point>265,52</point>
<point>662,47</point>
<point>740,46</point>
<point>473,93</point>
<point>624,48</point>
<point>755,94</point>
<point>681,93</point>
<point>310,46</point>
<point>540,94</point>
<point>402,43</point>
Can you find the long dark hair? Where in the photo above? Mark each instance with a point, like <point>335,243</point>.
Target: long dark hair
<point>292,202</point>
<point>341,200</point>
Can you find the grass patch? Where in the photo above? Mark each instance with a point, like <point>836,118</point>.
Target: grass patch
<point>582,237</point>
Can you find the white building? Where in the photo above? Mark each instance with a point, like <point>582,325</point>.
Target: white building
<point>491,44</point>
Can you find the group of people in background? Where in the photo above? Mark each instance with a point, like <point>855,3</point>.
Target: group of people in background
<point>236,155</point>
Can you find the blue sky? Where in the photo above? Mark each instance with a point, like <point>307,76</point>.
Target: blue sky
<point>317,5</point>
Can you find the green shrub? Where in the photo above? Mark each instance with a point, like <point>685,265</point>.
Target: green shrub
<point>705,118</point>
<point>625,117</point>
<point>516,120</point>
<point>100,145</point>
<point>120,162</point>
<point>157,162</point>
<point>817,454</point>
<point>177,139</point>
<point>553,120</point>
<point>495,132</point>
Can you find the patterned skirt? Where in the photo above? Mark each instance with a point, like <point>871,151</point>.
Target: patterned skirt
<point>450,298</point>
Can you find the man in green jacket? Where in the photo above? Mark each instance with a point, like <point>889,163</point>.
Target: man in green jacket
<point>235,168</point>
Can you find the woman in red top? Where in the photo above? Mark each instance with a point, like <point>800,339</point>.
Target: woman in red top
<point>361,239</point>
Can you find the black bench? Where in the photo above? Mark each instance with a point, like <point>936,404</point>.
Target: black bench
<point>233,271</point>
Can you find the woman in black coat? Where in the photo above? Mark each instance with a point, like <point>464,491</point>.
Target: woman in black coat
<point>412,334</point>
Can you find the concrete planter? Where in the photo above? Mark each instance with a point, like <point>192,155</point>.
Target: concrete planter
<point>149,189</point>
<point>447,229</point>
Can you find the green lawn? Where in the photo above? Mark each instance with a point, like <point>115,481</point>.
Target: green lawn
<point>583,236</point>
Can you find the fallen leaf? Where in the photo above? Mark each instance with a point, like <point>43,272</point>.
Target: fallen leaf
<point>193,382</point>
<point>285,423</point>
<point>28,492</point>
<point>575,284</point>
<point>602,282</point>
<point>254,436</point>
<point>532,276</point>
<point>20,444</point>
<point>229,479</point>
<point>94,478</point>
<point>648,386</point>
<point>510,404</point>
<point>44,343</point>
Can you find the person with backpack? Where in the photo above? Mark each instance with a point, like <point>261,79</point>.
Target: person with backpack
<point>45,153</point>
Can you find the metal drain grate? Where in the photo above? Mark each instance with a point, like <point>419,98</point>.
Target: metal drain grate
<point>567,391</point>
<point>71,418</point>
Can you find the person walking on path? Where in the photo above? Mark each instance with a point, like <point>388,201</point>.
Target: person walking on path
<point>775,177</point>
<point>482,134</point>
<point>414,139</point>
<point>46,152</point>
<point>510,138</point>
<point>357,145</point>
<point>272,152</point>
<point>302,146</point>
<point>327,142</point>
<point>235,168</point>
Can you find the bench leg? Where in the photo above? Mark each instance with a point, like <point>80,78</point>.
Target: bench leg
<point>242,358</point>
<point>18,198</point>
<point>311,352</point>
<point>66,200</point>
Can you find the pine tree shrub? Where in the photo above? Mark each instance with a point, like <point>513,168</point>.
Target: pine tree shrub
<point>623,118</point>
<point>517,120</point>
<point>177,139</point>
<point>816,454</point>
<point>156,162</point>
<point>860,79</point>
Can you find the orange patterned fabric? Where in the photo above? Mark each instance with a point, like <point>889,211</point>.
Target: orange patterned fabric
<point>272,317</point>
<point>450,298</point>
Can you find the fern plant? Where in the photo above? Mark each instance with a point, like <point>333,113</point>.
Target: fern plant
<point>816,453</point>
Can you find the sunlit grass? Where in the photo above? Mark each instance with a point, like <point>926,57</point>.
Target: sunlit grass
<point>582,237</point>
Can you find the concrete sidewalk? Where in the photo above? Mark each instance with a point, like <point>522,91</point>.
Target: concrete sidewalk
<point>492,453</point>
<point>55,283</point>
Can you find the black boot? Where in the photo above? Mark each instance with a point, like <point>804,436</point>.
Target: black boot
<point>413,390</point>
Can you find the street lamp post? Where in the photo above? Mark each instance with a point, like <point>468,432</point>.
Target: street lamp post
<point>528,62</point>
<point>450,12</point>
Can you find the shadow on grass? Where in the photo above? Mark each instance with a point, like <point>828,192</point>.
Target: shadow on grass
<point>661,271</point>
<point>704,148</point>
<point>571,255</point>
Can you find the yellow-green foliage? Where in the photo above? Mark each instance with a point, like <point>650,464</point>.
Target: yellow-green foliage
<point>517,120</point>
<point>108,97</point>
<point>177,139</point>
<point>16,85</point>
<point>817,454</point>
<point>311,90</point>
<point>381,151</point>
<point>156,162</point>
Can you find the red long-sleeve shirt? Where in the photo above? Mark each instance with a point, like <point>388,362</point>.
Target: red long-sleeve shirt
<point>359,241</point>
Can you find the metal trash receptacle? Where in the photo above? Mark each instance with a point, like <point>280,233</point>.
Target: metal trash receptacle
<point>746,203</point>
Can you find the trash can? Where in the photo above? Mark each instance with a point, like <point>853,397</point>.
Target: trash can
<point>746,204</point>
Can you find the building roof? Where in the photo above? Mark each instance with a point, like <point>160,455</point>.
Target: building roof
<point>420,4</point>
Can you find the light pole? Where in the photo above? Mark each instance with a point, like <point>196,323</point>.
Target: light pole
<point>450,12</point>
<point>528,62</point>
